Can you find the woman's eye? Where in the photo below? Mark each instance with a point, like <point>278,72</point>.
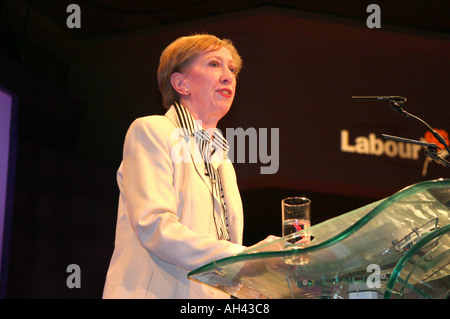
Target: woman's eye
<point>214,64</point>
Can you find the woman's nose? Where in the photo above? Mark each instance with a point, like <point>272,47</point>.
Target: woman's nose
<point>227,76</point>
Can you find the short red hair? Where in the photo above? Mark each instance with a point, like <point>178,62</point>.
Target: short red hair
<point>180,53</point>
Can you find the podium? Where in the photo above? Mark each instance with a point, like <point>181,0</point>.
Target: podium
<point>397,247</point>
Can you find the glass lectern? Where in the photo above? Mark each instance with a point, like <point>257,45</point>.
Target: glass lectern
<point>397,247</point>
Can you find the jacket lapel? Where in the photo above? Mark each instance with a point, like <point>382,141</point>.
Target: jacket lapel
<point>198,160</point>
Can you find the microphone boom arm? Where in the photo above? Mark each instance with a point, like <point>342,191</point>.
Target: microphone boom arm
<point>398,107</point>
<point>431,148</point>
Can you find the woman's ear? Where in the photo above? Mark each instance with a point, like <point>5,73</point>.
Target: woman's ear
<point>178,83</point>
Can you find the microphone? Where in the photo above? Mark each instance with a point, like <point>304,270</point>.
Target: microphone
<point>380,98</point>
<point>396,103</point>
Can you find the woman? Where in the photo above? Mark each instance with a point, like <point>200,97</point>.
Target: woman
<point>179,205</point>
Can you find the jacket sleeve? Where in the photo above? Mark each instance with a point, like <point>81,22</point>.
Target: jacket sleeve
<point>150,201</point>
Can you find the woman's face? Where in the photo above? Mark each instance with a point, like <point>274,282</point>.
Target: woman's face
<point>211,83</point>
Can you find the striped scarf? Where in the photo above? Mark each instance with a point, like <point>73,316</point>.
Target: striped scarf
<point>213,150</point>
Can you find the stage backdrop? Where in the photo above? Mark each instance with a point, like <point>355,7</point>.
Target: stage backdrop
<point>300,72</point>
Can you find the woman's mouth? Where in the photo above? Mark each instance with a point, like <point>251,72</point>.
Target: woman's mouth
<point>225,92</point>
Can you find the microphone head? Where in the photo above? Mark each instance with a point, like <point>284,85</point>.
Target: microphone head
<point>397,98</point>
<point>380,98</point>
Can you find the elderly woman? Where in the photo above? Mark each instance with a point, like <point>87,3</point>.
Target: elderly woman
<point>179,205</point>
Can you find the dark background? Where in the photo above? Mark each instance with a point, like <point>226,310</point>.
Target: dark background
<point>79,89</point>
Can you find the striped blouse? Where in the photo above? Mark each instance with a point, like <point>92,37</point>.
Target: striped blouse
<point>213,150</point>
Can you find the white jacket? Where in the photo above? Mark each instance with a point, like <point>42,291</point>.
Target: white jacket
<point>165,226</point>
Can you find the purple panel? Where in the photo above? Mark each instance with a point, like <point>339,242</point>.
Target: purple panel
<point>6,102</point>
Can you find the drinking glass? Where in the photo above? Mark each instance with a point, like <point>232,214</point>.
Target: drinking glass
<point>296,216</point>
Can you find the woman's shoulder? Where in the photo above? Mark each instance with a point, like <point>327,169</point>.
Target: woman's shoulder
<point>160,122</point>
<point>153,120</point>
<point>153,127</point>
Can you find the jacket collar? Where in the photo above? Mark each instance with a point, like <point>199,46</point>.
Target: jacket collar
<point>191,127</point>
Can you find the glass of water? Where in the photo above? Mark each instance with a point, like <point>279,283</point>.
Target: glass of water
<point>296,216</point>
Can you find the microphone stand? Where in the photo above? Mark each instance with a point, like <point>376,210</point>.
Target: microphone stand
<point>396,103</point>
